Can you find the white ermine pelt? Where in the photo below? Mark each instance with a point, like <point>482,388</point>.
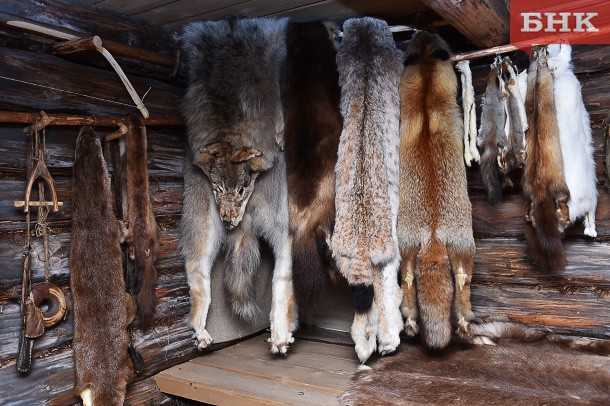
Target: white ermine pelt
<point>235,188</point>
<point>435,214</point>
<point>364,242</point>
<point>471,153</point>
<point>575,137</point>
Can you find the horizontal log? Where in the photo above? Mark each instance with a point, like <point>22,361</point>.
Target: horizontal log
<point>72,119</point>
<point>96,84</point>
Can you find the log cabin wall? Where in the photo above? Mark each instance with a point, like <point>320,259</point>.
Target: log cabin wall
<point>505,283</point>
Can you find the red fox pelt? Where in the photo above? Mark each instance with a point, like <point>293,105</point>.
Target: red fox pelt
<point>364,242</point>
<point>544,184</point>
<point>96,276</point>
<point>434,216</point>
<point>311,132</point>
<point>525,368</point>
<point>143,239</point>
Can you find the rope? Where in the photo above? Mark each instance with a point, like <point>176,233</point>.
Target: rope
<point>68,91</point>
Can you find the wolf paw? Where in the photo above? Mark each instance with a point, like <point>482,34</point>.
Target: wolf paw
<point>204,339</point>
<point>280,342</point>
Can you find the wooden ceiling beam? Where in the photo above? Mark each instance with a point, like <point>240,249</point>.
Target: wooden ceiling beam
<point>484,22</point>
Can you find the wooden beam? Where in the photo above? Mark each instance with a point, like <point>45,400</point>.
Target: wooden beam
<point>484,22</point>
<point>72,119</point>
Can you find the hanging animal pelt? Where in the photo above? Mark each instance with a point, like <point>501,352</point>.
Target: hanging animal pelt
<point>544,186</point>
<point>312,129</point>
<point>96,276</point>
<point>143,238</point>
<point>471,153</point>
<point>527,367</point>
<point>492,136</point>
<point>575,137</point>
<point>434,219</point>
<point>516,120</point>
<point>235,174</point>
<point>364,242</point>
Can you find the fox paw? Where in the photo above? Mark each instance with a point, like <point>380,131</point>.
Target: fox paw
<point>280,342</point>
<point>204,339</point>
<point>411,327</point>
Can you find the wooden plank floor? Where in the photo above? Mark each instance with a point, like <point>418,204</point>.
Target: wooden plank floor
<point>313,373</point>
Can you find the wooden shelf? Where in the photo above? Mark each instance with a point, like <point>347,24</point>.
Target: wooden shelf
<point>248,374</point>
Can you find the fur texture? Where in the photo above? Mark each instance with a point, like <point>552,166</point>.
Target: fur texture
<point>235,174</point>
<point>143,233</point>
<point>544,184</point>
<point>575,137</point>
<point>96,276</point>
<point>434,219</point>
<point>516,119</point>
<point>311,131</point>
<point>527,368</point>
<point>364,242</point>
<point>471,153</point>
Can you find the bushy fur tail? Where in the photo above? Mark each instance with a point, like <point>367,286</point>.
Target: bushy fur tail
<point>545,238</point>
<point>491,175</point>
<point>309,269</point>
<point>434,294</point>
<point>241,263</point>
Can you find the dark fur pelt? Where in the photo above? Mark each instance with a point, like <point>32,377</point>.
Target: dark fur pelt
<point>544,184</point>
<point>527,367</point>
<point>96,276</point>
<point>312,129</point>
<point>435,214</point>
<point>143,233</point>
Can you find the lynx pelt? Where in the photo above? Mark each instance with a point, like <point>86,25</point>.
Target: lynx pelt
<point>527,367</point>
<point>364,242</point>
<point>575,137</point>
<point>143,234</point>
<point>96,276</point>
<point>235,174</point>
<point>544,185</point>
<point>312,129</point>
<point>434,218</point>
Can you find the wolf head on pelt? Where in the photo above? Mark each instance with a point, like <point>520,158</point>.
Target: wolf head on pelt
<point>232,107</point>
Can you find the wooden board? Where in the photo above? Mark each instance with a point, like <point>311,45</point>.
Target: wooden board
<point>248,374</point>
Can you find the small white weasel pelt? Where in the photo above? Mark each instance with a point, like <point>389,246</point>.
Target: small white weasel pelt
<point>471,153</point>
<point>575,137</point>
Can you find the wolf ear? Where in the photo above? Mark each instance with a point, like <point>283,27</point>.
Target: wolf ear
<point>207,154</point>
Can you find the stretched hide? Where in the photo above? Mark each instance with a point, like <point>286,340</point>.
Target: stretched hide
<point>143,233</point>
<point>96,276</point>
<point>311,131</point>
<point>544,184</point>
<point>434,218</point>
<point>575,138</point>
<point>525,370</point>
<point>470,114</point>
<point>364,243</point>
<point>235,175</point>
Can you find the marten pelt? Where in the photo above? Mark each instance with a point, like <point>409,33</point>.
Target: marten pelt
<point>364,242</point>
<point>527,367</point>
<point>311,132</point>
<point>96,275</point>
<point>434,217</point>
<point>544,184</point>
<point>143,240</point>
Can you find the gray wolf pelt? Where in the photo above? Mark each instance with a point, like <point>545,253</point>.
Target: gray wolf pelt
<point>143,234</point>
<point>364,242</point>
<point>235,176</point>
<point>96,276</point>
<point>434,216</point>
<point>527,367</point>
<point>312,128</point>
<point>544,185</point>
<point>575,138</point>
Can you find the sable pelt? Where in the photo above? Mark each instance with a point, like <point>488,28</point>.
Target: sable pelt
<point>575,138</point>
<point>364,242</point>
<point>235,175</point>
<point>527,369</point>
<point>434,217</point>
<point>143,233</point>
<point>544,184</point>
<point>312,128</point>
<point>96,276</point>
